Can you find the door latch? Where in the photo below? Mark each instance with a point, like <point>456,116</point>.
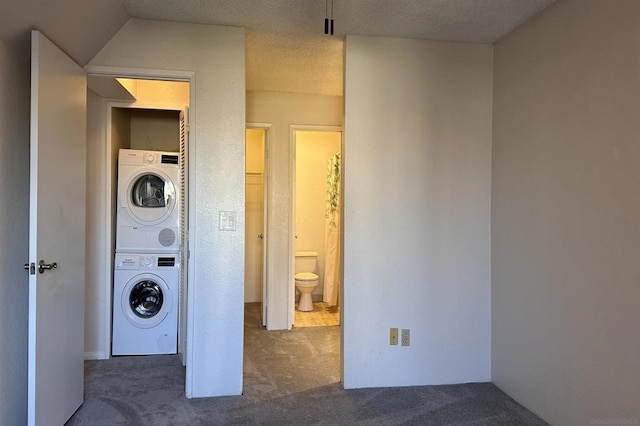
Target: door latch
<point>31,267</point>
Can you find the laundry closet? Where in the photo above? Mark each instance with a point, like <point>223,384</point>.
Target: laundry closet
<point>146,168</point>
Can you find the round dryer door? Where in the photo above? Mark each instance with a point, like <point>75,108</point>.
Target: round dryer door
<point>149,191</point>
<point>150,197</point>
<point>146,300</point>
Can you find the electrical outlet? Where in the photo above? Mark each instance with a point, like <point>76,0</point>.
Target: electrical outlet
<point>406,339</point>
<point>393,336</point>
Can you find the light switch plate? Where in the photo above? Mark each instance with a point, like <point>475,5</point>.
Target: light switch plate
<point>227,221</point>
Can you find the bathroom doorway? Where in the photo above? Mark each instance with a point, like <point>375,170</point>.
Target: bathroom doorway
<point>316,225</point>
<point>256,216</point>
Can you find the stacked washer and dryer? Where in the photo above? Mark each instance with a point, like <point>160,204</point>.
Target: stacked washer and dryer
<point>147,259</point>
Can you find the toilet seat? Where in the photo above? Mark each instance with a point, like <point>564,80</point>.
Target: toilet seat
<point>306,276</point>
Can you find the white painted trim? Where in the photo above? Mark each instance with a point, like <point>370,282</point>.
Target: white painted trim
<point>142,105</point>
<point>144,73</point>
<point>108,272</point>
<point>293,128</point>
<point>191,212</point>
<point>95,355</point>
<point>267,229</point>
<point>291,299</point>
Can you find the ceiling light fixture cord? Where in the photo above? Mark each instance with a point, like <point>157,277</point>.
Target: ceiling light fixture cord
<point>331,17</point>
<point>327,16</point>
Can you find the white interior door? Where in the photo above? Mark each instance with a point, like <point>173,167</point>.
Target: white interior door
<point>56,234</point>
<point>254,237</point>
<point>255,217</point>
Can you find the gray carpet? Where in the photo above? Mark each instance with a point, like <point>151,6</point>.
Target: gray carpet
<point>279,390</point>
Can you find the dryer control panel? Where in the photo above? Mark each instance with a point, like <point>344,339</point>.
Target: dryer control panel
<point>145,261</point>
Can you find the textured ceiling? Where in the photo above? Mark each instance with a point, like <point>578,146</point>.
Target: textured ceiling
<point>286,50</point>
<point>475,21</point>
<point>301,64</point>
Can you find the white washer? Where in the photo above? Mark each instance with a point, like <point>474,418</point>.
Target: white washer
<point>148,215</point>
<point>145,304</point>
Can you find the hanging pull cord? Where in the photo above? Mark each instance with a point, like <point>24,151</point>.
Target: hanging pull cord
<point>328,28</point>
<point>331,17</point>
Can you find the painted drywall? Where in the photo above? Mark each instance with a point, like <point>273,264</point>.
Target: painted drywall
<point>313,151</point>
<point>14,228</point>
<point>254,210</point>
<point>417,159</point>
<point>565,214</point>
<point>154,129</point>
<point>158,92</point>
<point>216,56</point>
<point>96,319</point>
<point>282,110</point>
<point>94,316</point>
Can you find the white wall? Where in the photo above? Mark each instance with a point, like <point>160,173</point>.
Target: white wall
<point>565,213</point>
<point>313,151</point>
<point>282,110</point>
<point>95,281</point>
<point>417,159</point>
<point>216,56</point>
<point>14,234</point>
<point>158,130</point>
<point>158,92</point>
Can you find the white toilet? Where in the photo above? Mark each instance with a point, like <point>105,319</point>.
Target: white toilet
<point>306,278</point>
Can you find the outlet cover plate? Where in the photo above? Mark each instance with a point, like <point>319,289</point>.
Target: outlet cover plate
<point>406,337</point>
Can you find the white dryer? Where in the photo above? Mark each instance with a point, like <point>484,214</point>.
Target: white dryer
<point>145,304</point>
<point>148,214</point>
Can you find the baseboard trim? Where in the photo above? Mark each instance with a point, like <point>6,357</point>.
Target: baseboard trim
<point>95,355</point>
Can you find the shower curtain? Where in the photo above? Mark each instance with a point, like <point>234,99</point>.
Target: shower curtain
<point>332,233</point>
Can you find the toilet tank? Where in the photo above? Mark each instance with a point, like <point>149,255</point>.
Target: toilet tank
<point>306,261</point>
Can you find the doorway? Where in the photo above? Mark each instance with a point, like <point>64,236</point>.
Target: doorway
<point>315,206</point>
<point>131,113</point>
<point>256,217</point>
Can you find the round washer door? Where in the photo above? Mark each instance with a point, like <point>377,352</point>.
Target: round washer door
<point>146,300</point>
<point>150,197</point>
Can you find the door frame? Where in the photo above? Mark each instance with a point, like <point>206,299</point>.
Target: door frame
<point>149,74</point>
<point>293,129</point>
<point>266,180</point>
